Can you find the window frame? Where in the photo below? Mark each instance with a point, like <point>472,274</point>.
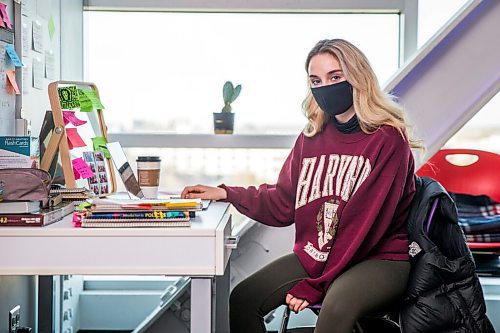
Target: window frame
<point>408,21</point>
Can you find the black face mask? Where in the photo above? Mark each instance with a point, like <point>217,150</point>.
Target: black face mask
<point>334,99</point>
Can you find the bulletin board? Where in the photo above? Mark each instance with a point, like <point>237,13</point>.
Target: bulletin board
<point>78,139</point>
<point>7,96</point>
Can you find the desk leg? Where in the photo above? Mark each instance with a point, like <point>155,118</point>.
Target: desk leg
<point>222,284</point>
<point>201,305</point>
<point>45,304</point>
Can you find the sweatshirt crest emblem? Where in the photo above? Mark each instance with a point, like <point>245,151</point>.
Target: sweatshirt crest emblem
<point>327,222</point>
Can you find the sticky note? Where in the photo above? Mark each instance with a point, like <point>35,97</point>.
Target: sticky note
<point>100,145</point>
<point>2,24</point>
<point>52,27</point>
<point>13,55</point>
<point>85,102</point>
<point>3,10</point>
<point>96,102</point>
<point>12,79</point>
<point>84,205</point>
<point>81,168</point>
<point>74,139</point>
<point>68,97</point>
<point>70,117</point>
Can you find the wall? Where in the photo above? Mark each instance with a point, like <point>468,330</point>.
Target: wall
<point>68,33</point>
<point>35,101</point>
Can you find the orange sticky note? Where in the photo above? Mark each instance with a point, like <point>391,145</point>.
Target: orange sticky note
<point>74,139</point>
<point>12,79</point>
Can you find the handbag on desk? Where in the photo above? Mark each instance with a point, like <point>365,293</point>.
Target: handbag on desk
<point>25,184</point>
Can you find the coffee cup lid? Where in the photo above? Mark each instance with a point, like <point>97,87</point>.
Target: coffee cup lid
<point>148,159</point>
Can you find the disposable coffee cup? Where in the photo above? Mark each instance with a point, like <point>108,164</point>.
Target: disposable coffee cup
<point>148,172</point>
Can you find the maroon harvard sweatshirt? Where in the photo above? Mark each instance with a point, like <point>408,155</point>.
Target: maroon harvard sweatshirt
<point>349,196</point>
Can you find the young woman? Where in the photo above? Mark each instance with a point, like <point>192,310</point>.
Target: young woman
<point>347,185</point>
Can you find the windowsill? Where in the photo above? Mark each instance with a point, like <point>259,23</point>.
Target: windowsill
<point>165,140</point>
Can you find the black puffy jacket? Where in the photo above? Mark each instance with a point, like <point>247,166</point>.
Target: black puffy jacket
<point>443,294</point>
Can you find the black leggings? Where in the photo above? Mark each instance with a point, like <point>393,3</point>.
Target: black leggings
<point>364,288</point>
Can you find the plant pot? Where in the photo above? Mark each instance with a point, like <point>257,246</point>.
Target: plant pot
<point>223,122</point>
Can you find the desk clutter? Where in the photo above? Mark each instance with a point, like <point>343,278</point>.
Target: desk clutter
<point>26,199</point>
<point>127,213</point>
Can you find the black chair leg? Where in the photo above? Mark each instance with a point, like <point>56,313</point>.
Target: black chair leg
<point>284,320</point>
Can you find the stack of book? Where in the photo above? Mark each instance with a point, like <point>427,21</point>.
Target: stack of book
<point>29,213</point>
<point>75,195</point>
<point>109,213</point>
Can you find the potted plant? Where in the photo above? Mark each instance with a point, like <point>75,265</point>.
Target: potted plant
<point>224,120</point>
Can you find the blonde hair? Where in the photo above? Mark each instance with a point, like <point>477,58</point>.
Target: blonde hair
<point>372,106</point>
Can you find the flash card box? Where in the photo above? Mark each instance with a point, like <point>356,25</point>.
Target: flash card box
<point>19,152</point>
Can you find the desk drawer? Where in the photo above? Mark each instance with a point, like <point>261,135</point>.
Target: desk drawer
<point>224,244</point>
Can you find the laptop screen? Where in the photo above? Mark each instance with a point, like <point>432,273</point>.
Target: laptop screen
<point>126,173</point>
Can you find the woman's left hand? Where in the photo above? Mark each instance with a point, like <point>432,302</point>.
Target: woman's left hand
<point>296,304</point>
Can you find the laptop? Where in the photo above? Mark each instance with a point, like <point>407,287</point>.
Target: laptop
<point>126,173</point>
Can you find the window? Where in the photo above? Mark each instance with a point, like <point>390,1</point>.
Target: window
<point>433,15</point>
<point>164,72</point>
<point>482,131</point>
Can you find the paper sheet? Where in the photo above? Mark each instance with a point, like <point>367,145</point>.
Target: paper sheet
<point>37,73</point>
<point>27,7</point>
<point>27,37</point>
<point>74,139</point>
<point>50,65</point>
<point>38,36</point>
<point>27,76</point>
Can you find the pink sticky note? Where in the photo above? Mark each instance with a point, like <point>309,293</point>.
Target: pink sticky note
<point>74,139</point>
<point>70,117</point>
<point>1,23</point>
<point>76,173</point>
<point>81,168</point>
<point>12,79</point>
<point>3,9</point>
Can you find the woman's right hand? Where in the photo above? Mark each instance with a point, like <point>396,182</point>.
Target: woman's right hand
<point>204,192</point>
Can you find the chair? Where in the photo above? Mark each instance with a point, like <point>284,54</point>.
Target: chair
<point>481,177</point>
<point>384,320</point>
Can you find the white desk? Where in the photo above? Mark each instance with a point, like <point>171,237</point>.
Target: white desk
<point>201,251</point>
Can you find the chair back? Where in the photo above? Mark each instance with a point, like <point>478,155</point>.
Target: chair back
<point>482,176</point>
